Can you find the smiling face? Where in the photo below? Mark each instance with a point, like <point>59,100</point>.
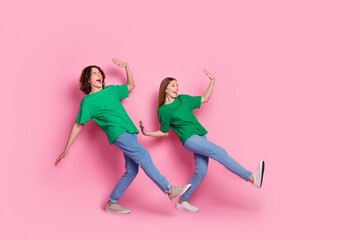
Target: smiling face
<point>96,79</point>
<point>172,90</point>
<point>90,78</point>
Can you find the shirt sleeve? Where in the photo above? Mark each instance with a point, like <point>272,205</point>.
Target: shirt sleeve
<point>164,120</point>
<point>83,115</point>
<point>194,102</point>
<point>122,91</point>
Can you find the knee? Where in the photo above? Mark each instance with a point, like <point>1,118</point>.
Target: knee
<point>145,154</point>
<point>132,172</point>
<point>220,152</point>
<point>143,157</point>
<point>200,172</point>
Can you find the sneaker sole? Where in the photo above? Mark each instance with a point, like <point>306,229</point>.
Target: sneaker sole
<point>180,208</point>
<point>122,212</point>
<point>262,172</point>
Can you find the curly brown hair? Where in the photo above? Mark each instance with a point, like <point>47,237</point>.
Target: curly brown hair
<point>85,77</point>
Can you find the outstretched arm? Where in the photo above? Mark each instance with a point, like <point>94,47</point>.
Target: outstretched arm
<point>205,98</point>
<point>130,80</point>
<point>73,134</point>
<point>153,133</point>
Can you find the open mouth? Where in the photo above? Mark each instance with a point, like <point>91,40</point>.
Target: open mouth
<point>98,81</point>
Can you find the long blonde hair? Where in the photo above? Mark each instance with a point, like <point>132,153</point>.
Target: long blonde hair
<point>162,94</point>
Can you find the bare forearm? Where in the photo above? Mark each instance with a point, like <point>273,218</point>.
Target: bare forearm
<point>152,133</point>
<point>73,134</point>
<point>130,79</point>
<point>156,133</point>
<point>207,94</point>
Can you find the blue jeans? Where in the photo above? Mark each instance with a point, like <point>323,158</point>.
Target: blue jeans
<point>135,155</point>
<point>203,149</point>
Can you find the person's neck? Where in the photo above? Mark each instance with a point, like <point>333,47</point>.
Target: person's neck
<point>94,90</point>
<point>169,100</point>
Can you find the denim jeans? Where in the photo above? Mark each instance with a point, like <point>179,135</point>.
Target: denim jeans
<point>203,149</point>
<point>135,155</point>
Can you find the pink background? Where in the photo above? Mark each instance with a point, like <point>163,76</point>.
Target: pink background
<point>287,91</point>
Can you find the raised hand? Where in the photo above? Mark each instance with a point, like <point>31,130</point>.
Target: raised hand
<point>209,75</point>
<point>142,127</point>
<point>119,63</point>
<point>205,98</point>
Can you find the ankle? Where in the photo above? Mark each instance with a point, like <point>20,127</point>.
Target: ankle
<point>251,179</point>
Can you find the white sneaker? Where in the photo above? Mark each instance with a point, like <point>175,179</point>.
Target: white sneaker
<point>259,174</point>
<point>186,206</point>
<point>116,208</point>
<point>178,191</point>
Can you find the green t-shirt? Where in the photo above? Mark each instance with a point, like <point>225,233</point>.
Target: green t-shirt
<point>179,117</point>
<point>105,109</point>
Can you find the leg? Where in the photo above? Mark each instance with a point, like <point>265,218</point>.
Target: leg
<point>201,165</point>
<point>199,144</point>
<point>130,146</point>
<point>132,169</point>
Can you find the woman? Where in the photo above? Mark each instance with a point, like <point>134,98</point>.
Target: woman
<point>175,112</point>
<point>102,105</point>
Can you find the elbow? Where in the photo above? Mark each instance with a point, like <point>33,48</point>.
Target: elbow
<point>78,125</point>
<point>130,87</point>
<point>204,99</point>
